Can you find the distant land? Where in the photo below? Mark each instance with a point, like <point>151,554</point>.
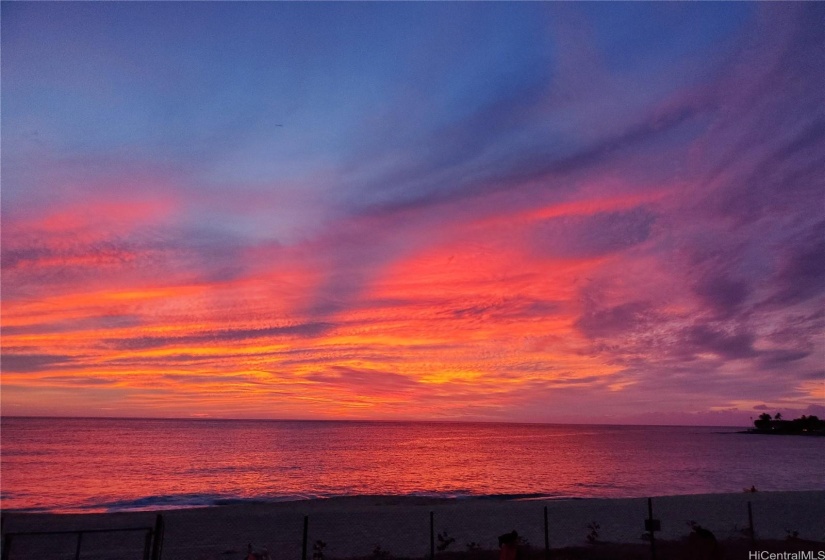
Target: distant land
<point>775,425</point>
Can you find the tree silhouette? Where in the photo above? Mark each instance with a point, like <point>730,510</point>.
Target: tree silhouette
<point>775,425</point>
<point>764,421</point>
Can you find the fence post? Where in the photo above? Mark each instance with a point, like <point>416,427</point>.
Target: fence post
<point>147,545</point>
<point>750,523</point>
<point>546,536</point>
<point>652,536</point>
<point>432,536</point>
<point>157,537</point>
<point>6,546</point>
<point>77,550</point>
<point>304,541</point>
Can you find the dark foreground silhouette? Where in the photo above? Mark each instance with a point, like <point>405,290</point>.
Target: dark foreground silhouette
<point>805,425</point>
<point>685,549</point>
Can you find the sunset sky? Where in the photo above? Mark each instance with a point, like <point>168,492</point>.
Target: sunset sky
<point>535,212</point>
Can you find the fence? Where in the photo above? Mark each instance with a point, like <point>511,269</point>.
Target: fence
<point>105,543</point>
<point>388,528</point>
<point>441,540</point>
<point>382,528</point>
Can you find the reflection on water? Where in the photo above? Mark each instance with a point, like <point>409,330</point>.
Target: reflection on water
<point>103,464</point>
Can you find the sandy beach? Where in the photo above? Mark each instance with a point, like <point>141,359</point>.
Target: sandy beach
<point>356,526</point>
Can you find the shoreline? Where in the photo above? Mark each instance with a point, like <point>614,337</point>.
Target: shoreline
<point>200,501</point>
<point>358,525</point>
<point>772,433</point>
<point>175,502</point>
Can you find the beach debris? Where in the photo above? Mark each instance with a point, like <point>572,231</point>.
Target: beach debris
<point>700,533</point>
<point>444,541</point>
<point>702,542</point>
<point>508,545</point>
<point>318,550</point>
<point>252,555</point>
<point>593,536</point>
<point>508,538</point>
<point>738,532</point>
<point>379,553</point>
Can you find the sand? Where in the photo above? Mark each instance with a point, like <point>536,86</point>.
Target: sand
<point>356,526</point>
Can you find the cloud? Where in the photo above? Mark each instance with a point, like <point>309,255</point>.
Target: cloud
<point>532,168</point>
<point>593,236</point>
<point>306,330</point>
<point>508,308</point>
<point>780,358</point>
<point>731,346</point>
<point>724,295</point>
<point>71,324</point>
<point>76,380</point>
<point>613,321</point>
<point>802,274</point>
<point>28,363</point>
<point>364,381</point>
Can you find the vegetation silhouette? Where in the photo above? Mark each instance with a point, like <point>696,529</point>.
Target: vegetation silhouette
<point>805,425</point>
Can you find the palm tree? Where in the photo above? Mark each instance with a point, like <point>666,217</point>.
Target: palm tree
<point>764,422</point>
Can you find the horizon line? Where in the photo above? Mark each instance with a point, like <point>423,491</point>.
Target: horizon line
<point>360,420</point>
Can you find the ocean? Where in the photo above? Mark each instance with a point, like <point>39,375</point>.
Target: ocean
<point>102,465</point>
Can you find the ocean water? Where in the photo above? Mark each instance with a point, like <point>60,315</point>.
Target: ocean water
<point>94,465</point>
